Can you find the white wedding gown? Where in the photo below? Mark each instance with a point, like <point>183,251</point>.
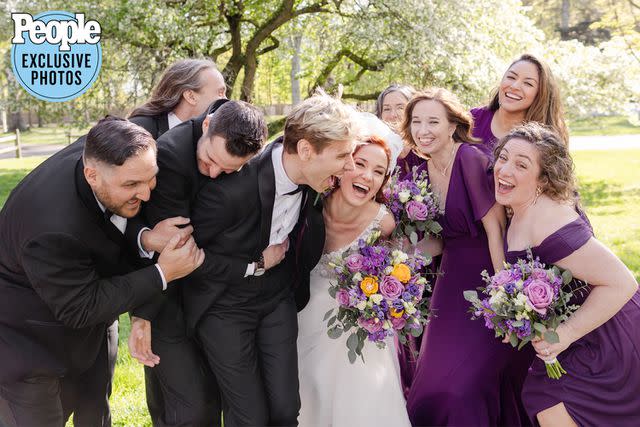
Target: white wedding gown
<point>333,391</point>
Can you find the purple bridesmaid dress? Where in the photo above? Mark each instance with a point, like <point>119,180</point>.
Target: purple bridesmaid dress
<point>482,117</point>
<point>602,384</point>
<point>407,164</point>
<point>464,374</point>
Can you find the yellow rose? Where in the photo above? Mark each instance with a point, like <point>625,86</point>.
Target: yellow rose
<point>401,272</point>
<point>396,313</point>
<point>369,285</point>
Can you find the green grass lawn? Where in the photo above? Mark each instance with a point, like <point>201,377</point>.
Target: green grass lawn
<point>49,135</point>
<point>610,189</point>
<point>605,125</point>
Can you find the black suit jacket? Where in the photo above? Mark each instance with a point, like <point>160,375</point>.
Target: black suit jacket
<point>156,125</point>
<point>65,273</point>
<point>178,181</point>
<point>232,217</point>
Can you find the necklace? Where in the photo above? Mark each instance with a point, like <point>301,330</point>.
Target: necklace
<point>444,171</point>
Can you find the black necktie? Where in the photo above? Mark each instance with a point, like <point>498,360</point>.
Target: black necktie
<point>296,191</point>
<point>107,215</point>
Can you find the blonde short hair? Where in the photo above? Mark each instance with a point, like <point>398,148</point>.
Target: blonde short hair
<point>320,119</point>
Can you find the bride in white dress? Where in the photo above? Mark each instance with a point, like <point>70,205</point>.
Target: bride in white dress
<point>333,391</point>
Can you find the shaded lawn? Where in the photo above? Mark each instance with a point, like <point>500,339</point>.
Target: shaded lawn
<point>610,189</point>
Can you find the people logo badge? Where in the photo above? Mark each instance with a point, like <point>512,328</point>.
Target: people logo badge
<point>56,55</point>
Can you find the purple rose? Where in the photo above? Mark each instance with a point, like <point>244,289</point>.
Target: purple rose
<point>540,295</point>
<point>354,262</point>
<point>417,211</point>
<point>539,273</point>
<point>502,278</point>
<point>342,296</point>
<point>398,323</point>
<point>370,325</point>
<point>390,287</point>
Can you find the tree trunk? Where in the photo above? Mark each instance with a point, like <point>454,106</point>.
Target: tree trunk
<point>250,67</point>
<point>17,122</point>
<point>295,69</point>
<point>564,19</point>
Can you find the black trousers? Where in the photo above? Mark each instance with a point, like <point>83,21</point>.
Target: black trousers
<point>252,351</point>
<point>50,401</point>
<point>181,390</point>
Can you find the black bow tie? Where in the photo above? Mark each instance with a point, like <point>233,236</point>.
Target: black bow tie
<point>296,191</point>
<point>107,215</point>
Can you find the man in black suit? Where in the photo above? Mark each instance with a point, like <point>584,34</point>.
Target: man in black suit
<point>248,324</point>
<point>67,235</point>
<point>192,153</point>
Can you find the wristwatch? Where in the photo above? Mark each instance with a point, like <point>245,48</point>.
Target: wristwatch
<point>258,266</point>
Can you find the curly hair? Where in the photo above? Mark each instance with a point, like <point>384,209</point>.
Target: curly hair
<point>557,176</point>
<point>456,114</point>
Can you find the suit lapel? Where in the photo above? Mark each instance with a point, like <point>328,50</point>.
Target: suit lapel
<point>163,124</point>
<point>267,192</point>
<point>89,200</point>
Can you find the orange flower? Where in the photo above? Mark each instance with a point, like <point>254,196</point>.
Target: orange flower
<point>369,285</point>
<point>401,272</point>
<point>396,313</point>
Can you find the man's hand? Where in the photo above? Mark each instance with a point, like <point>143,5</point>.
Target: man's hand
<point>140,342</point>
<point>156,239</point>
<point>274,254</point>
<point>177,262</point>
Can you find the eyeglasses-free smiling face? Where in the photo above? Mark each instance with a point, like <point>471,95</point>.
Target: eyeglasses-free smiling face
<point>430,128</point>
<point>516,173</point>
<point>122,189</point>
<point>214,159</point>
<point>361,184</point>
<point>519,87</point>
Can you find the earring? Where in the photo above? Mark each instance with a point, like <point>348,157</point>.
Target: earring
<point>538,193</point>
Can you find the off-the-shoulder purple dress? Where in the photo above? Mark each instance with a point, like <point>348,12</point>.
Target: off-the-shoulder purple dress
<point>602,384</point>
<point>463,375</point>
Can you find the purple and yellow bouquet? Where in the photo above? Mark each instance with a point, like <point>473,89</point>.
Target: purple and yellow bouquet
<point>413,205</point>
<point>524,301</point>
<point>378,293</point>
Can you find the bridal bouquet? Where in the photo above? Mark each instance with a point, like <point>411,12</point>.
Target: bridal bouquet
<point>413,205</point>
<point>524,301</point>
<point>378,293</point>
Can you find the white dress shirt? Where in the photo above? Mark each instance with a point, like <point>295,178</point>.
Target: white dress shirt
<point>121,224</point>
<point>286,208</point>
<point>173,120</point>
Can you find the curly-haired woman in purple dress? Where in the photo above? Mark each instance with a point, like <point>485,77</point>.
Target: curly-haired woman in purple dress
<point>599,344</point>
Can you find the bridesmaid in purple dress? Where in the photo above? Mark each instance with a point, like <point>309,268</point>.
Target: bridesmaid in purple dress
<point>527,92</point>
<point>600,343</point>
<point>390,107</point>
<point>460,377</point>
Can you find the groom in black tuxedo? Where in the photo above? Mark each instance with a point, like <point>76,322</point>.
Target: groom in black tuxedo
<point>68,233</point>
<point>248,325</point>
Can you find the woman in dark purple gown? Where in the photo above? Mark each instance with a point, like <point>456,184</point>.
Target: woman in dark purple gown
<point>460,377</point>
<point>600,343</point>
<point>527,92</point>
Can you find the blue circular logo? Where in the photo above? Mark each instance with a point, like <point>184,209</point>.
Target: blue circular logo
<point>56,56</point>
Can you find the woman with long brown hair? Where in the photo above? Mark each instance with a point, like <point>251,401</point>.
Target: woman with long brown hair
<point>528,92</point>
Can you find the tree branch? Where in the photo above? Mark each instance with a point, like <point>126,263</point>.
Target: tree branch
<point>275,44</point>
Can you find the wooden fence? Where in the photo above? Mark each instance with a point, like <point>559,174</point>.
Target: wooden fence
<point>16,139</point>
